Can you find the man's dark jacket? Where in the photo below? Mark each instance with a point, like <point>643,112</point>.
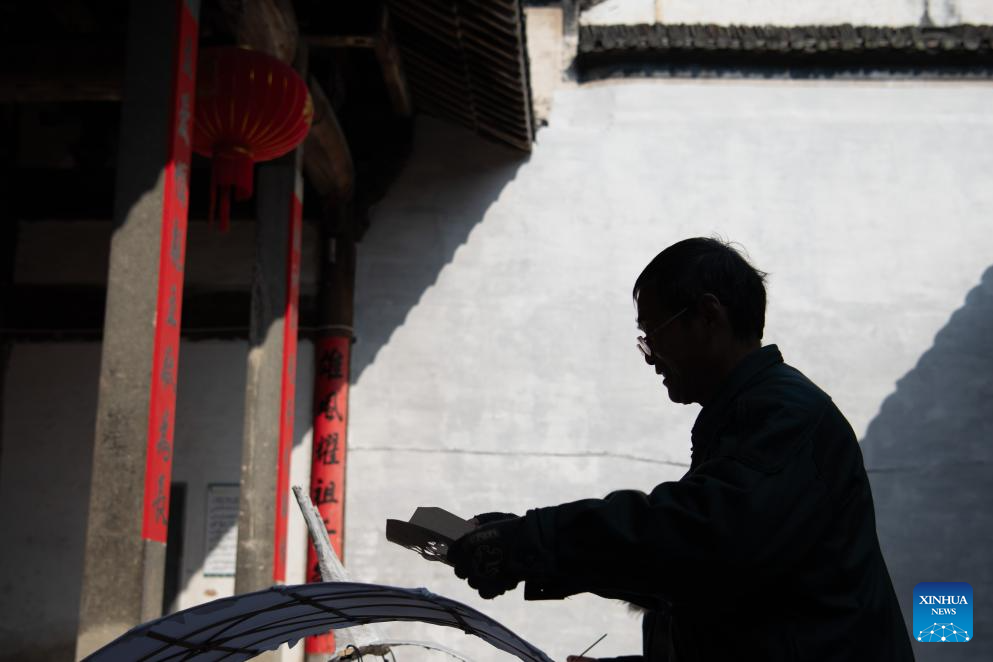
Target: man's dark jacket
<point>765,550</point>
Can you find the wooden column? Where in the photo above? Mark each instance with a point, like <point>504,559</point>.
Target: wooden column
<point>331,381</point>
<point>124,560</point>
<point>279,194</point>
<point>8,253</point>
<point>9,231</point>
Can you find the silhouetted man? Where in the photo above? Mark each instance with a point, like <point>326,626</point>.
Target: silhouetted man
<point>766,549</point>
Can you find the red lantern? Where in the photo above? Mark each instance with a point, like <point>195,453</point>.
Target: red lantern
<point>250,107</point>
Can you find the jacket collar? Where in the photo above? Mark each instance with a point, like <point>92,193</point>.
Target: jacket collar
<point>741,375</point>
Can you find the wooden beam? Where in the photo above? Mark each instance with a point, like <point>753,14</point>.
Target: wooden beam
<point>60,312</point>
<point>87,194</point>
<point>270,26</point>
<point>389,60</point>
<point>387,53</point>
<point>341,41</point>
<point>60,71</point>
<point>327,160</point>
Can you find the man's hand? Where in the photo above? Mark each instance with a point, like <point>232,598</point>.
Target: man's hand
<point>484,557</point>
<point>489,518</point>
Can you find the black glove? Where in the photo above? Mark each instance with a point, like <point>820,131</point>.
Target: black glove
<point>486,556</point>
<point>489,518</point>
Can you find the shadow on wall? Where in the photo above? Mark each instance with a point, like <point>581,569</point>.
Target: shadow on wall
<point>450,181</point>
<point>452,178</point>
<point>929,453</point>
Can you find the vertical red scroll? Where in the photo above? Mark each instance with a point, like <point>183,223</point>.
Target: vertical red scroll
<point>327,473</point>
<point>172,253</point>
<point>290,319</point>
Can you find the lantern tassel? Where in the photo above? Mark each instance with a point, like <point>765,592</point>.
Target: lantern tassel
<point>225,209</point>
<point>243,178</point>
<point>231,173</point>
<point>219,190</point>
<point>213,201</point>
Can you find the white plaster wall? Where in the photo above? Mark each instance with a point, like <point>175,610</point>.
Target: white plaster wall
<point>545,56</point>
<point>613,12</point>
<point>790,12</point>
<point>496,366</point>
<point>49,415</point>
<point>801,12</point>
<point>975,11</point>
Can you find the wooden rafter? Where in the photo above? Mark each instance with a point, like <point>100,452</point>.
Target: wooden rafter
<point>383,44</point>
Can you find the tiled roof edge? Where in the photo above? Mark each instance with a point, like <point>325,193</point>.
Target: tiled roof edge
<point>964,47</point>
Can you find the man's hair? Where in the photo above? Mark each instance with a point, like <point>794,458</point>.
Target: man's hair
<point>681,274</point>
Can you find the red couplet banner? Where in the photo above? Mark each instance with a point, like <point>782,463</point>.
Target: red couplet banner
<point>165,354</point>
<point>327,473</point>
<point>290,319</point>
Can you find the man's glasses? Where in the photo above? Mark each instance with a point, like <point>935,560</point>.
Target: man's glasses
<point>643,340</point>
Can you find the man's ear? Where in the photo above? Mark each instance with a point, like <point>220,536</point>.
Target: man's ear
<point>713,311</point>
